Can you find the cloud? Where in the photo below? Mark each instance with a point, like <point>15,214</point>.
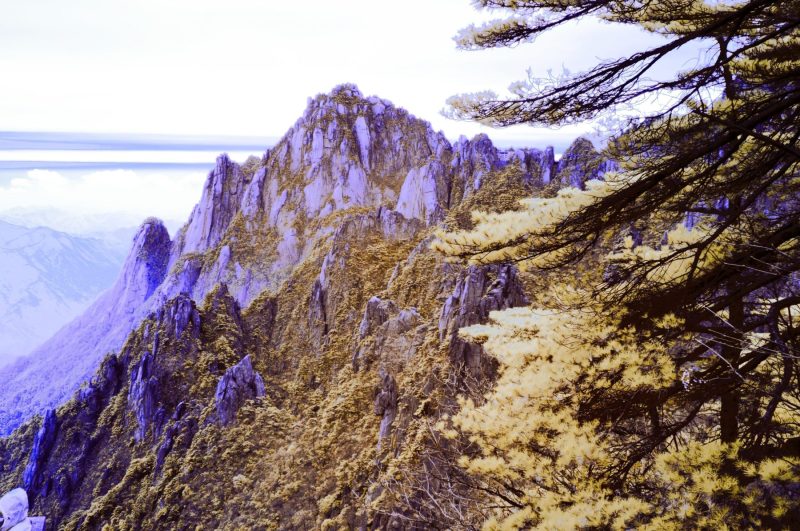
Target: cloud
<point>129,194</point>
<point>245,67</point>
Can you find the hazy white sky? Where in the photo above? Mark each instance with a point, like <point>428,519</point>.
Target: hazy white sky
<point>241,67</point>
<point>246,67</point>
<point>99,201</point>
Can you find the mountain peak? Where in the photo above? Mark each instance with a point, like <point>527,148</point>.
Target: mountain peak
<point>347,151</point>
<point>346,91</point>
<point>581,162</point>
<point>151,224</point>
<point>346,95</point>
<point>346,102</point>
<point>146,265</point>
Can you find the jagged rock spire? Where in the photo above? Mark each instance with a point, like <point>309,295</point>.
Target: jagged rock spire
<point>146,265</point>
<point>221,199</point>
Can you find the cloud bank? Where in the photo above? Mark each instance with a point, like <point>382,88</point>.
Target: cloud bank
<point>118,197</point>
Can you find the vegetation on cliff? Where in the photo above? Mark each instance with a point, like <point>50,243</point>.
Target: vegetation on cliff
<point>661,393</point>
<point>366,328</point>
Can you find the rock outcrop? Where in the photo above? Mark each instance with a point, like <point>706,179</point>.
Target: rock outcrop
<point>239,384</point>
<point>580,163</point>
<point>478,291</point>
<point>42,444</point>
<point>221,199</point>
<point>143,394</point>
<point>178,435</point>
<point>317,314</point>
<point>376,313</point>
<point>425,194</point>
<point>180,315</point>
<point>388,333</point>
<point>386,400</point>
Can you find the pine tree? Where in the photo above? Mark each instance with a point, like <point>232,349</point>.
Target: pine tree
<point>667,394</point>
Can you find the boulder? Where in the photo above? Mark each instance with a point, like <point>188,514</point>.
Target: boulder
<point>14,506</point>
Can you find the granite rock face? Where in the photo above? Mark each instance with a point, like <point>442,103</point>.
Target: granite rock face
<point>178,435</point>
<point>222,195</point>
<point>386,402</point>
<point>388,334</point>
<point>42,444</point>
<point>143,394</point>
<point>425,194</point>
<point>479,291</point>
<point>239,384</point>
<point>178,325</point>
<point>376,313</point>
<point>143,271</point>
<point>317,314</point>
<point>105,383</point>
<point>180,315</point>
<point>580,163</point>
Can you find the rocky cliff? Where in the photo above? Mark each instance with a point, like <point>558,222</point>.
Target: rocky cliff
<point>279,362</point>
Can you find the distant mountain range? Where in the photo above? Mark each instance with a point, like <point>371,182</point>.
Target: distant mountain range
<point>113,228</point>
<point>48,278</point>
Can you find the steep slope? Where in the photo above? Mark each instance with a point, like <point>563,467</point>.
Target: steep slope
<point>254,224</point>
<point>48,278</point>
<point>55,369</point>
<point>285,370</point>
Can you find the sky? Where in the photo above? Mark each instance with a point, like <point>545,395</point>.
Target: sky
<point>113,103</point>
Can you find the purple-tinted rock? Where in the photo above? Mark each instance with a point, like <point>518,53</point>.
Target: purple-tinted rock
<point>42,445</point>
<point>385,406</point>
<point>239,384</point>
<point>581,162</point>
<point>473,298</point>
<point>376,313</point>
<point>143,394</point>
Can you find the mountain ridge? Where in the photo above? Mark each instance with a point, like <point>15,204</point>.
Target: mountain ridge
<point>346,152</point>
<point>313,264</point>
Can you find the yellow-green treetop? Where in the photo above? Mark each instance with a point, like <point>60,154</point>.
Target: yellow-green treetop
<point>666,394</point>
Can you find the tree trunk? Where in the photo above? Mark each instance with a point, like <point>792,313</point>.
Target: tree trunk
<point>732,349</point>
